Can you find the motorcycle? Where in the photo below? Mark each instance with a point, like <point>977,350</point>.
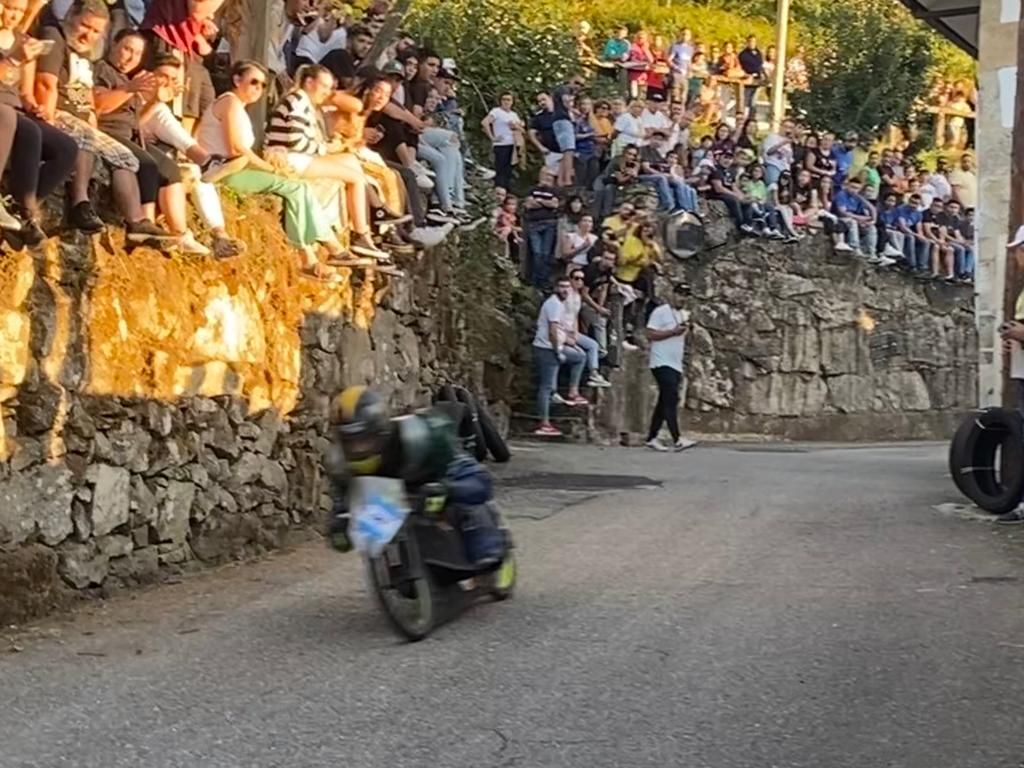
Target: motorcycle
<point>416,557</point>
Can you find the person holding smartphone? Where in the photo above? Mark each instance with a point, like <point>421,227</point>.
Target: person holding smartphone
<point>667,328</point>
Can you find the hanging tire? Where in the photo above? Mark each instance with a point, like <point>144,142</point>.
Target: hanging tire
<point>461,419</point>
<point>992,433</point>
<point>492,438</point>
<point>410,606</point>
<point>464,396</point>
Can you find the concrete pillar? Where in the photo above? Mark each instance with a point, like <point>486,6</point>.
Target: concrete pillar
<point>997,68</point>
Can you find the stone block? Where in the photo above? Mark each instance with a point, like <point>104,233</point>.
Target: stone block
<point>37,498</point>
<point>83,565</point>
<point>111,497</point>
<point>174,506</point>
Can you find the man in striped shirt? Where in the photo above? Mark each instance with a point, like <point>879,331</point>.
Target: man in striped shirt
<point>297,129</point>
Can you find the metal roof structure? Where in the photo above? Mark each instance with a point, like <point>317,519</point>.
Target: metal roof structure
<point>956,20</point>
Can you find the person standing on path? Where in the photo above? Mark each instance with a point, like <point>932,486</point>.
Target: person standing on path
<point>666,330</point>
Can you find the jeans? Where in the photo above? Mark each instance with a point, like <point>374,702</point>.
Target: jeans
<point>445,158</point>
<point>963,260</point>
<point>771,174</point>
<point>666,410</point>
<point>503,165</point>
<point>547,363</point>
<point>541,236</point>
<point>857,233</point>
<point>896,239</point>
<point>661,186</point>
<point>413,197</point>
<point>597,328</point>
<point>605,192</point>
<point>918,253</point>
<point>565,135</point>
<point>685,195</point>
<point>741,212</point>
<point>590,349</point>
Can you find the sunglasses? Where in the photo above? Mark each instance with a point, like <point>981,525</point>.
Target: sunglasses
<point>257,81</point>
<point>576,277</point>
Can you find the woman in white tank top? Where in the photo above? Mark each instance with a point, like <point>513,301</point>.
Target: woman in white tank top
<point>225,129</point>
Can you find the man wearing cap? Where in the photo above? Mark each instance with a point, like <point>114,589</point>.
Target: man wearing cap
<point>1012,334</point>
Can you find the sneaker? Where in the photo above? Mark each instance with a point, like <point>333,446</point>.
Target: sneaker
<point>547,430</point>
<point>8,220</point>
<point>597,380</point>
<point>421,170</point>
<point>656,445</point>
<point>683,443</point>
<point>1014,517</point>
<point>470,225</point>
<point>843,248</point>
<point>557,399</point>
<point>219,167</point>
<point>424,182</point>
<point>578,400</point>
<point>872,258</point>
<point>394,243</point>
<point>31,232</point>
<point>629,346</point>
<point>748,229</point>
<point>442,217</point>
<point>428,237</point>
<point>144,230</point>
<point>227,247</point>
<point>84,218</point>
<point>484,173</point>
<point>363,245</point>
<point>891,251</point>
<point>885,261</point>
<point>188,244</point>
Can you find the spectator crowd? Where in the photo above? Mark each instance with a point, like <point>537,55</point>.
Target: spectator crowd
<point>611,167</point>
<point>368,157</point>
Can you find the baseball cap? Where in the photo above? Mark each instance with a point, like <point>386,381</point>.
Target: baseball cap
<point>393,67</point>
<point>447,74</point>
<point>1018,239</point>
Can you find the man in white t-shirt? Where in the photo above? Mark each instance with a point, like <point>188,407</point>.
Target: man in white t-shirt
<point>1012,333</point>
<point>504,128</point>
<point>550,352</point>
<point>629,128</point>
<point>666,330</point>
<point>571,324</point>
<point>964,182</point>
<point>777,149</point>
<point>654,120</point>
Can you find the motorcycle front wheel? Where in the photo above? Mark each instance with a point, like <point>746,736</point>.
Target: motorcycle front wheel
<point>407,601</point>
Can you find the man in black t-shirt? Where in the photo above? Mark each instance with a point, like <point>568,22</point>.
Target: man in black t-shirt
<point>594,312</point>
<point>63,94</point>
<point>933,226</point>
<point>345,62</point>
<point>418,89</point>
<point>541,218</point>
<point>724,188</point>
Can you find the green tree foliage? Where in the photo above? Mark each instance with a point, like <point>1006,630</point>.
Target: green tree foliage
<point>868,60</point>
<point>522,46</point>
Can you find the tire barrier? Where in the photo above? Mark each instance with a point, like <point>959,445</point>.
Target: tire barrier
<point>986,459</point>
<point>475,426</point>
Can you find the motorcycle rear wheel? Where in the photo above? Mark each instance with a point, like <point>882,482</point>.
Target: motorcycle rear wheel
<point>410,607</point>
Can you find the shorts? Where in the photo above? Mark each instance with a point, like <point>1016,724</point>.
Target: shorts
<point>552,160</point>
<point>565,135</point>
<point>299,162</point>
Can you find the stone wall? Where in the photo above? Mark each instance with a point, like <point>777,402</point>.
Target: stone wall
<point>159,413</point>
<point>798,342</point>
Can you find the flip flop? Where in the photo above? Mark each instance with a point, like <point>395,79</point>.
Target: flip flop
<point>345,260</point>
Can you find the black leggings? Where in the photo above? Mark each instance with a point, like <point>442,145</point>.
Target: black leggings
<point>666,410</point>
<point>41,158</point>
<point>156,170</point>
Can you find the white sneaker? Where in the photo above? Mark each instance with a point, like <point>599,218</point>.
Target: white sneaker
<point>557,399</point>
<point>485,173</point>
<point>429,237</point>
<point>188,244</point>
<point>442,217</point>
<point>421,170</point>
<point>597,380</point>
<point>872,258</point>
<point>683,443</point>
<point>629,346</point>
<point>891,250</point>
<point>885,261</point>
<point>843,248</point>
<point>656,445</point>
<point>8,220</point>
<point>424,182</point>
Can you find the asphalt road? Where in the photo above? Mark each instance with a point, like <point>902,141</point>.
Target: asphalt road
<point>753,606</point>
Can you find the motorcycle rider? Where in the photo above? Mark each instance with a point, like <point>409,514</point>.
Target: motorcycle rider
<point>418,448</point>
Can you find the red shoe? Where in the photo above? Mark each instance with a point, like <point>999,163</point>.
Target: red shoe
<point>547,430</point>
<point>578,400</point>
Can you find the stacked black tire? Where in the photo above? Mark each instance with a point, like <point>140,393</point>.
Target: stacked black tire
<point>986,459</point>
<point>474,424</point>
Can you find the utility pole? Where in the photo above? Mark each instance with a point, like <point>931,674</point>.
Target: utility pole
<point>1012,282</point>
<point>779,78</point>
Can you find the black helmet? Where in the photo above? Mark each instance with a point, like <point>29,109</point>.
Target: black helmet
<point>363,425</point>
